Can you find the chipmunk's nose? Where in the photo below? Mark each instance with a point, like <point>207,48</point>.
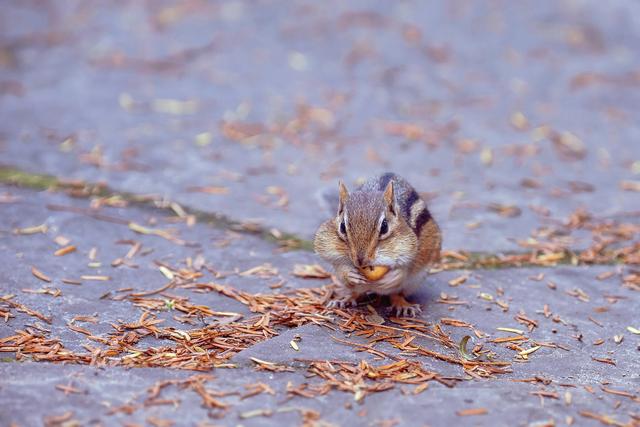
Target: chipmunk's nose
<point>359,258</point>
<point>363,260</point>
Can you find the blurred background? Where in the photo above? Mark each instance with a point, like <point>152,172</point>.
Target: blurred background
<point>517,120</point>
<point>508,115</point>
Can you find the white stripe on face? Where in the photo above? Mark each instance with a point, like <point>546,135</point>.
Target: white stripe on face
<point>382,217</point>
<point>416,209</point>
<point>343,220</point>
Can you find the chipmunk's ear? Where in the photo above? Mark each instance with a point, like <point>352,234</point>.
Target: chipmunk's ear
<point>344,195</point>
<point>390,198</point>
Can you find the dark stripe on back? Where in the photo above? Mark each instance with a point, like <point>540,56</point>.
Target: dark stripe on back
<point>412,197</point>
<point>422,219</point>
<point>384,180</point>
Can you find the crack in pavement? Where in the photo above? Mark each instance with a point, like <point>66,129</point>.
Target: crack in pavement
<point>452,260</point>
<point>82,189</point>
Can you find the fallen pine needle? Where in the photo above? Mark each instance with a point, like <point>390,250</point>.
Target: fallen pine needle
<point>512,330</point>
<point>98,278</point>
<point>42,228</point>
<point>472,411</point>
<point>64,251</point>
<point>40,275</point>
<point>529,351</point>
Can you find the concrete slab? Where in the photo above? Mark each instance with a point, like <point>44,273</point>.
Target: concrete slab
<point>509,115</point>
<point>582,319</point>
<point>102,397</point>
<point>99,243</point>
<point>482,105</point>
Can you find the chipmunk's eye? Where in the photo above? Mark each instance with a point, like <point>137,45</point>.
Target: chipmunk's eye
<point>384,227</point>
<point>343,229</point>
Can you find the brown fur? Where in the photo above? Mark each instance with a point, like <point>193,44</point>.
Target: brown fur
<point>429,246</point>
<point>409,248</point>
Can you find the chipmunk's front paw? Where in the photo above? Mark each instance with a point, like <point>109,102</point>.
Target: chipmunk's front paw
<point>403,308</point>
<point>342,302</point>
<point>354,277</point>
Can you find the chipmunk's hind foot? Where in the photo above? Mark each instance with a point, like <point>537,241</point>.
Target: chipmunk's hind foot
<point>403,308</point>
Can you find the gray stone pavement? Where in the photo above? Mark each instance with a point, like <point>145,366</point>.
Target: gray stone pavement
<point>584,316</point>
<point>103,391</point>
<point>510,115</point>
<point>490,103</point>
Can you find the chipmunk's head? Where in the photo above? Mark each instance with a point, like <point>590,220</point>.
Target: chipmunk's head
<point>371,225</point>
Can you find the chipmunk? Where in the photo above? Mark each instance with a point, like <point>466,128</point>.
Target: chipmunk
<point>382,223</point>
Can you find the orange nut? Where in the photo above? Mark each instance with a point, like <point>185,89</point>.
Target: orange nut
<point>375,272</point>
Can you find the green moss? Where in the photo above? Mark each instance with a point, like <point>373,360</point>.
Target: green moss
<point>489,261</point>
<point>287,241</point>
<point>14,176</point>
